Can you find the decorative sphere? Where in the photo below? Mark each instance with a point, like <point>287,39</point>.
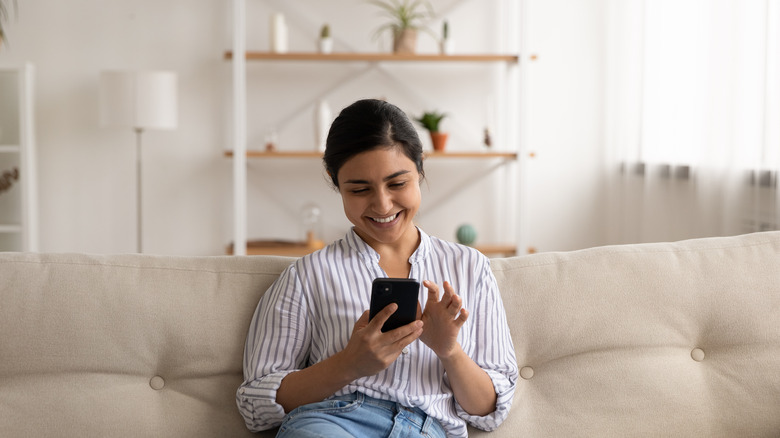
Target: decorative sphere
<point>466,234</point>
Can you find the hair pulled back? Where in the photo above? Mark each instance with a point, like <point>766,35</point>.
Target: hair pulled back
<point>366,125</point>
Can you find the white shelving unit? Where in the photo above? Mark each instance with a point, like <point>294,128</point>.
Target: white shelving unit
<point>507,113</point>
<point>18,191</point>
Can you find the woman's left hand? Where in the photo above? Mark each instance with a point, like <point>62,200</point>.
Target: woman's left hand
<point>441,322</point>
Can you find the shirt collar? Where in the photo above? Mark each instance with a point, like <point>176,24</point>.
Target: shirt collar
<point>365,251</point>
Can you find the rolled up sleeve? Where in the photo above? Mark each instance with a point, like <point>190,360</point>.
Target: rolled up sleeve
<point>276,346</point>
<point>494,352</point>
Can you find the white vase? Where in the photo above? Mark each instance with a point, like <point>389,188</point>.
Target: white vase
<point>446,46</point>
<point>325,45</point>
<point>278,33</point>
<point>322,120</point>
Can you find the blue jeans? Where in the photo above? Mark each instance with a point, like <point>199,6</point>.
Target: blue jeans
<point>358,415</point>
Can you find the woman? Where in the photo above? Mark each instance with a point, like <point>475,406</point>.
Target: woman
<point>316,365</point>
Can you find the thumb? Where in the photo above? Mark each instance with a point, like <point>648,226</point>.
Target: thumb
<point>382,316</point>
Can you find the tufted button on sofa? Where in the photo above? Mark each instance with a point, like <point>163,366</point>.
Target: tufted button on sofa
<point>666,339</point>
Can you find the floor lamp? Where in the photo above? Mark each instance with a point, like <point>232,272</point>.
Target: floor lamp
<point>139,100</point>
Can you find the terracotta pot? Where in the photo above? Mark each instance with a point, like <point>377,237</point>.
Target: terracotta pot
<point>405,41</point>
<point>439,140</point>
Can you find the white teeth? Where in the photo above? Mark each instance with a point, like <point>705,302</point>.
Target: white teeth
<point>386,219</point>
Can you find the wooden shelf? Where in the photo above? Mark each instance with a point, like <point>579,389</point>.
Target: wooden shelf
<point>19,212</point>
<point>10,228</point>
<point>300,249</point>
<point>432,63</point>
<point>279,248</point>
<point>278,154</point>
<point>374,57</point>
<point>474,154</point>
<point>497,250</point>
<point>436,155</point>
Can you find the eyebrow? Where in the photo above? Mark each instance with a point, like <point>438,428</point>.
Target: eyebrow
<point>385,179</point>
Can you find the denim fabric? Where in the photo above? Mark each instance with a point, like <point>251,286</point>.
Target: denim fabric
<point>358,416</point>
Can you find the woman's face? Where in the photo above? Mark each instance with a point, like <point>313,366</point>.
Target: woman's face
<point>380,190</point>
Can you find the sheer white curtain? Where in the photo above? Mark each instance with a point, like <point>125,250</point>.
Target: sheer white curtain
<point>693,117</point>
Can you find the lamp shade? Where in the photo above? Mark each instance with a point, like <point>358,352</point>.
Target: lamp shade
<point>139,99</point>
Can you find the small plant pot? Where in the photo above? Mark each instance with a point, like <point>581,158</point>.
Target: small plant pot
<point>405,42</point>
<point>439,140</point>
<point>325,45</point>
<point>446,47</point>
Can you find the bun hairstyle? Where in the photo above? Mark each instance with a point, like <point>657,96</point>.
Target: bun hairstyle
<point>366,125</point>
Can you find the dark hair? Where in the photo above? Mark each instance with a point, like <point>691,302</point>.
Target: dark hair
<point>366,125</point>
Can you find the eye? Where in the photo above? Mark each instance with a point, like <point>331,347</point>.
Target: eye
<point>358,191</point>
<point>397,185</point>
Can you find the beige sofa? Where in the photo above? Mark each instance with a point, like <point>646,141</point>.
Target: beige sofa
<point>672,339</point>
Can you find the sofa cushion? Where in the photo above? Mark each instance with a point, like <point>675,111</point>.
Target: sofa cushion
<point>667,339</point>
<point>125,345</point>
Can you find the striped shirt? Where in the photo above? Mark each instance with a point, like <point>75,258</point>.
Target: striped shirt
<point>308,314</point>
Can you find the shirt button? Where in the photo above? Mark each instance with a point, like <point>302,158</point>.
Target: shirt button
<point>405,350</point>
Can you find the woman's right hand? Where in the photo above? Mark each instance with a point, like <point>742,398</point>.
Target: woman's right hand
<point>369,350</point>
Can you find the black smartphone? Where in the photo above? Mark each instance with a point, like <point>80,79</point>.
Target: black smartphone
<point>402,291</point>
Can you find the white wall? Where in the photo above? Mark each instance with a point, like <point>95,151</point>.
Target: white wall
<point>87,174</point>
<point>564,183</point>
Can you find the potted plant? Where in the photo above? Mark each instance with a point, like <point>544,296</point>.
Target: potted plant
<point>325,42</point>
<point>407,18</point>
<point>430,120</point>
<point>4,17</point>
<point>445,45</point>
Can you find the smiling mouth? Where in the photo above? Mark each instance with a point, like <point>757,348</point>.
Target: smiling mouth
<point>385,220</point>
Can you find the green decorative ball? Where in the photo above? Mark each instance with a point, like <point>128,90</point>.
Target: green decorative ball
<point>466,234</point>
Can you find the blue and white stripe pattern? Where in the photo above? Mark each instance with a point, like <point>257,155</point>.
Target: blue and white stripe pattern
<point>307,315</point>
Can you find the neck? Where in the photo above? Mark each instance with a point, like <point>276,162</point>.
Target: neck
<point>394,256</point>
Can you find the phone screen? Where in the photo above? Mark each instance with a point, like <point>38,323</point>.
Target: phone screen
<point>402,291</point>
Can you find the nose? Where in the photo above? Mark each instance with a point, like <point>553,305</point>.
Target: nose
<point>383,201</point>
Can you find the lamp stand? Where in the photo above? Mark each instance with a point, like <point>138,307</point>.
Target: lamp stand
<point>139,218</point>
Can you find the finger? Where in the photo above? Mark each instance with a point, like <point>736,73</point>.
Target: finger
<point>455,304</point>
<point>419,310</point>
<point>464,315</point>
<point>380,318</point>
<point>448,290</point>
<point>448,296</point>
<point>433,290</point>
<point>361,322</point>
<point>406,334</point>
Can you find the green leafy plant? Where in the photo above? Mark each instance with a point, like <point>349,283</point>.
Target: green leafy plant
<point>325,31</point>
<point>4,17</point>
<point>403,14</point>
<point>430,120</point>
